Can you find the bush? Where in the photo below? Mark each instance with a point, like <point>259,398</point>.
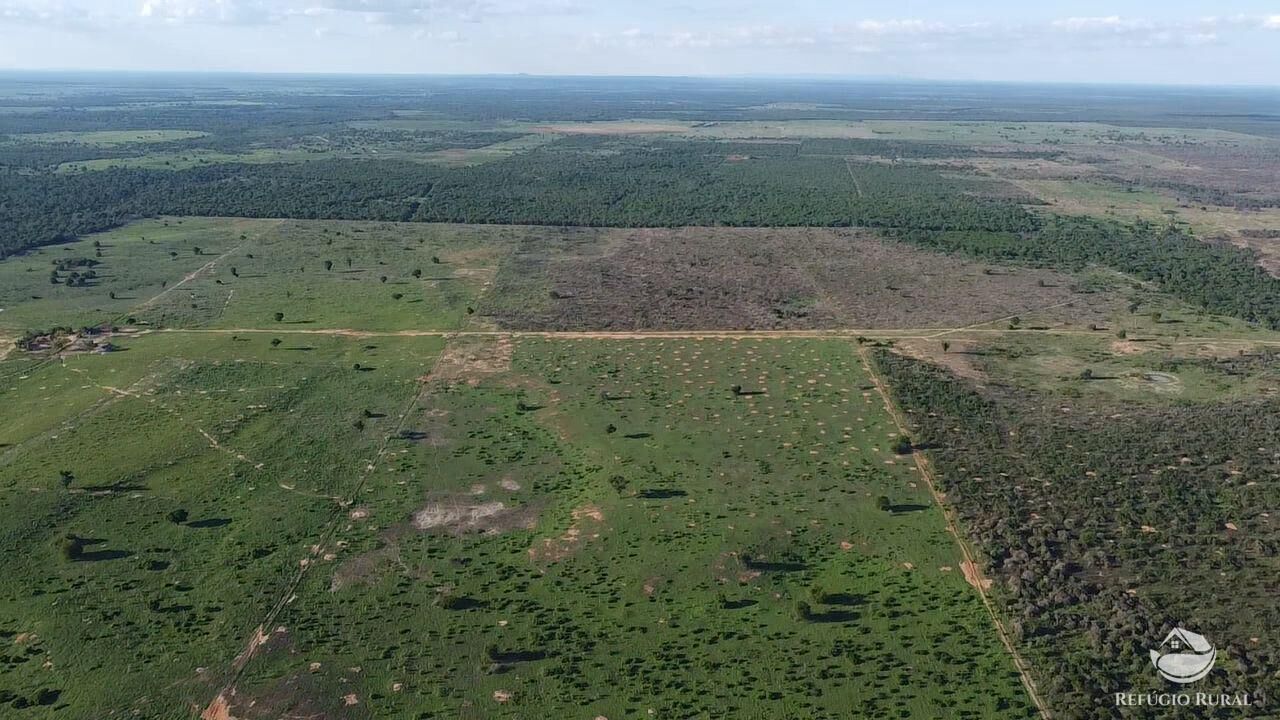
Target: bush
<point>72,547</point>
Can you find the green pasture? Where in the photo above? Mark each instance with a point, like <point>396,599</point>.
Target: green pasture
<point>607,528</point>
<point>255,445</point>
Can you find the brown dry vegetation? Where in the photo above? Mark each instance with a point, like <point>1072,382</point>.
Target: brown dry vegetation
<point>720,278</point>
<point>467,359</point>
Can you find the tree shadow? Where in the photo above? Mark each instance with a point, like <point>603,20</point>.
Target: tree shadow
<point>209,523</point>
<point>771,566</point>
<point>115,487</point>
<point>102,555</point>
<point>907,508</point>
<point>833,616</point>
<point>638,436</point>
<point>843,599</point>
<point>661,493</point>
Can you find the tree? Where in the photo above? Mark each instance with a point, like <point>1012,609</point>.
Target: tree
<point>72,547</point>
<point>884,504</point>
<point>946,346</point>
<point>66,477</point>
<point>417,273</point>
<point>279,316</point>
<point>275,342</point>
<point>383,279</point>
<point>178,516</point>
<point>235,272</point>
<point>435,260</point>
<point>328,265</point>
<point>903,446</point>
<point>196,249</point>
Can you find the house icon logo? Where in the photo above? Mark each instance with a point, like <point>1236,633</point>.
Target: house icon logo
<point>1184,657</point>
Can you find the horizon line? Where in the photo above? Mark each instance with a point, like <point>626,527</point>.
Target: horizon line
<point>780,77</point>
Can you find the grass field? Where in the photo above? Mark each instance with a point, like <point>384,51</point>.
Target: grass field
<point>512,526</point>
<point>550,521</point>
<point>246,271</point>
<point>111,138</point>
<point>253,443</point>
<point>604,528</point>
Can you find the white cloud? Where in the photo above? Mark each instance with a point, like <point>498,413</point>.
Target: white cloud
<point>211,12</point>
<point>55,14</point>
<point>1271,23</point>
<point>415,12</point>
<point>917,35</point>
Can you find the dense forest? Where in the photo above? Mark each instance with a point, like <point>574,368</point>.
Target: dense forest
<point>1106,526</point>
<point>667,184</point>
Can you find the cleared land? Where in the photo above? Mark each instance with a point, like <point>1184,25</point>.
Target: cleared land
<point>606,528</point>
<point>698,278</point>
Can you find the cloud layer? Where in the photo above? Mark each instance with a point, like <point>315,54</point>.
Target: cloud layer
<point>586,37</point>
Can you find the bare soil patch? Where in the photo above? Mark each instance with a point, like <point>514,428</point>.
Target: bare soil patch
<point>460,514</point>
<point>587,522</point>
<point>469,359</point>
<point>973,575</point>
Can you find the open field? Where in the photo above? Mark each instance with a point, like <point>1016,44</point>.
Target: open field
<point>110,138</point>
<point>251,444</point>
<point>239,273</point>
<point>567,526</point>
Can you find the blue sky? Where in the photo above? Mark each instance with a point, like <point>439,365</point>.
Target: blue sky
<point>1129,41</point>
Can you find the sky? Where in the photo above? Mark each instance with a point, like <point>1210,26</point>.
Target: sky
<point>1121,41</point>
